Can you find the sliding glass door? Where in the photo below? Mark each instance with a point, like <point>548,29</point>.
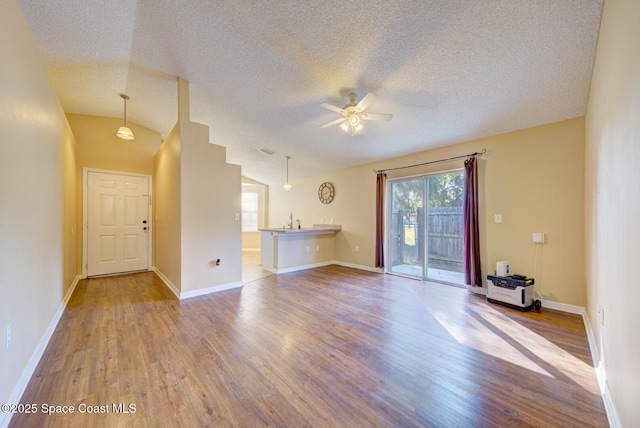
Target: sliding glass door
<point>445,227</point>
<point>407,227</point>
<point>426,227</point>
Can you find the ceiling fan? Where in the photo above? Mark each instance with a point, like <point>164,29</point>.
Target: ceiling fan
<point>353,114</point>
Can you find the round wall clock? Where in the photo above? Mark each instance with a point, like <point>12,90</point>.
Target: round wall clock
<point>326,192</point>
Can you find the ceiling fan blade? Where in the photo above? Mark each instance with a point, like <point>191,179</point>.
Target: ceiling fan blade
<point>334,122</point>
<point>376,116</point>
<point>366,101</point>
<point>333,108</point>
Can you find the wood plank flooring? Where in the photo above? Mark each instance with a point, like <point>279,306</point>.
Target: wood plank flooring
<point>327,347</point>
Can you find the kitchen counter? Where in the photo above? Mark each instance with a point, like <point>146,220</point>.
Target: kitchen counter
<point>325,228</point>
<point>289,250</point>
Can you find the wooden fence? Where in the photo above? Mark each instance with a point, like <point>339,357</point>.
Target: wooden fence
<point>445,238</point>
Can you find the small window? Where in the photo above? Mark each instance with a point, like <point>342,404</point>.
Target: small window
<point>249,211</point>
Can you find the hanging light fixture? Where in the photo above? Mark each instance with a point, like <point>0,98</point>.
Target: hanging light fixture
<point>124,132</point>
<point>287,185</point>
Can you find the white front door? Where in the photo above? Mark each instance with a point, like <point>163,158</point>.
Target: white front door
<point>117,223</point>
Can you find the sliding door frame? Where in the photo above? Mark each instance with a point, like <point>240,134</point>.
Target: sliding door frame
<point>388,222</point>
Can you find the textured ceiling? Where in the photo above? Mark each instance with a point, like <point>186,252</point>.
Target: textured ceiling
<point>449,71</point>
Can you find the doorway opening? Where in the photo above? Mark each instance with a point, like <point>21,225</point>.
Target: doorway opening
<point>253,219</point>
<point>426,227</point>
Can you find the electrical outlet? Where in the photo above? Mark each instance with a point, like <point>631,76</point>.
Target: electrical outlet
<point>538,238</point>
<point>7,337</point>
<point>357,249</point>
<point>317,247</point>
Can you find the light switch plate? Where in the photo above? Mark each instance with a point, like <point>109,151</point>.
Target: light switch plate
<point>7,337</point>
<point>498,218</point>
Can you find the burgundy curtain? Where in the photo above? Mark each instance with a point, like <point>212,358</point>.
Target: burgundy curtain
<point>472,271</point>
<point>380,219</point>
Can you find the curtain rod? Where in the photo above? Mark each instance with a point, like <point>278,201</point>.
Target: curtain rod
<point>378,171</point>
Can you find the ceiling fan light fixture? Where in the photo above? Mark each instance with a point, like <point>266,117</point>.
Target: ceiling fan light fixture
<point>352,124</point>
<point>124,131</point>
<point>353,114</point>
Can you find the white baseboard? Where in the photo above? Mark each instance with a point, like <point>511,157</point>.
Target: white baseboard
<point>16,395</point>
<point>194,293</point>
<point>572,309</point>
<point>71,290</point>
<point>612,413</point>
<point>478,290</point>
<point>167,282</point>
<point>609,406</point>
<point>361,267</point>
<point>208,290</point>
<point>302,267</point>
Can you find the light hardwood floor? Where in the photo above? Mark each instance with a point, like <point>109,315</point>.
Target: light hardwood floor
<point>252,267</point>
<point>331,346</point>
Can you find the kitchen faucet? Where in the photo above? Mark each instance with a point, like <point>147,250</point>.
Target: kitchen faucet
<point>290,224</point>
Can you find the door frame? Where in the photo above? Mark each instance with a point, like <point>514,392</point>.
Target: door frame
<point>85,222</point>
<point>388,214</point>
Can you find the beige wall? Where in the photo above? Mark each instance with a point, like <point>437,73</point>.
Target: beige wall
<point>37,251</point>
<point>533,177</point>
<point>99,148</point>
<point>199,196</point>
<point>294,250</point>
<point>210,201</point>
<point>70,250</point>
<point>166,208</point>
<point>250,241</point>
<point>613,203</point>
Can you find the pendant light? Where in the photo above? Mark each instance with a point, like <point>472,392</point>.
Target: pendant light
<point>287,185</point>
<point>124,132</point>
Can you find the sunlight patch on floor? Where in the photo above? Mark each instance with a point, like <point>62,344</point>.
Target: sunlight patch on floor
<point>540,347</point>
<point>495,334</point>
<point>471,332</point>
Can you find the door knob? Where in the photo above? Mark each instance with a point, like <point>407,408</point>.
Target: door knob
<point>144,228</point>
<point>144,221</point>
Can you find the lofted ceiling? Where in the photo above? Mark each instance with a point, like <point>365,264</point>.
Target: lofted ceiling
<point>448,70</point>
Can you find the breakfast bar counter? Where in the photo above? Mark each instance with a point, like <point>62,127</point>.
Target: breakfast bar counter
<point>288,250</point>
